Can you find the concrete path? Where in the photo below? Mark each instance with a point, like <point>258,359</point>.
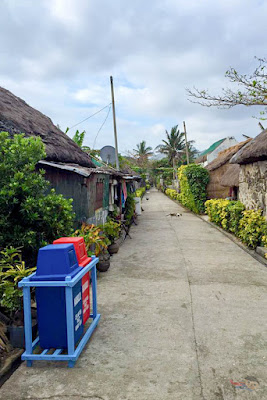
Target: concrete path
<point>183,312</point>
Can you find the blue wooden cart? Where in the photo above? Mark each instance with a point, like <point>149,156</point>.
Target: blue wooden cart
<point>72,352</point>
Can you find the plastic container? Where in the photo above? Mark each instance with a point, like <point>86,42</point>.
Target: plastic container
<point>83,260</point>
<point>54,263</point>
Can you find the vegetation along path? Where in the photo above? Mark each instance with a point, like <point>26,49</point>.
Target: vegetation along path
<point>183,313</point>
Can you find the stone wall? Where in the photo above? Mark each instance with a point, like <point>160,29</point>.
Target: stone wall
<point>253,185</point>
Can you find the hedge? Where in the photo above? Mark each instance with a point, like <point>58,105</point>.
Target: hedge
<point>249,225</point>
<point>193,180</point>
<point>172,194</point>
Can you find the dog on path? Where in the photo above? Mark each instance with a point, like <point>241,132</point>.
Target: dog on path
<point>174,215</point>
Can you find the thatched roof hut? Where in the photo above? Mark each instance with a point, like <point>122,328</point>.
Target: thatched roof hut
<point>255,150</point>
<point>16,116</point>
<point>223,175</point>
<point>252,161</point>
<point>225,155</point>
<point>231,177</point>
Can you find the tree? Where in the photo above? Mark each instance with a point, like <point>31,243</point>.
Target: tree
<point>252,92</point>
<point>78,137</point>
<point>192,152</point>
<point>174,147</point>
<point>142,150</point>
<point>142,153</point>
<point>31,215</point>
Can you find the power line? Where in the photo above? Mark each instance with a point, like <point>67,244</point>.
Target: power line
<point>90,116</point>
<point>102,125</point>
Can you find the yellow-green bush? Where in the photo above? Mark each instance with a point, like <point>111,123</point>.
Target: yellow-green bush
<point>171,193</point>
<point>249,225</point>
<point>193,181</point>
<point>216,210</point>
<point>252,228</point>
<point>225,213</point>
<point>140,192</point>
<point>264,240</point>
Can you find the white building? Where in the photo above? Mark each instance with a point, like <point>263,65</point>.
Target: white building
<point>212,152</point>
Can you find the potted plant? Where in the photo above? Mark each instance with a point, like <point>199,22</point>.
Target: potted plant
<point>112,230</point>
<point>96,242</point>
<point>12,270</point>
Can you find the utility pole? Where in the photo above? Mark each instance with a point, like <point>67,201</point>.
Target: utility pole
<point>114,124</point>
<point>186,145</point>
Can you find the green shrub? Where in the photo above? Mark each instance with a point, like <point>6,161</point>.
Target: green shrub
<point>95,240</point>
<point>140,192</point>
<point>159,187</point>
<point>225,213</point>
<point>252,228</point>
<point>129,208</point>
<point>171,193</point>
<point>249,225</point>
<point>235,211</point>
<point>264,237</point>
<point>29,217</point>
<point>12,270</point>
<point>193,181</point>
<point>111,229</point>
<point>217,211</point>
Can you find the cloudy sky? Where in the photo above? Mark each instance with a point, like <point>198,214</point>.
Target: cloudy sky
<point>58,56</point>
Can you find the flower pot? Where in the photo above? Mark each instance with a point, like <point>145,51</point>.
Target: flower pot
<point>16,334</point>
<point>103,266</point>
<point>113,248</point>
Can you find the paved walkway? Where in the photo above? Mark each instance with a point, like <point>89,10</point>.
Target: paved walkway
<point>183,312</point>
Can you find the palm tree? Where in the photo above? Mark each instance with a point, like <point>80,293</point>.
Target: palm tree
<point>175,146</point>
<point>192,152</point>
<point>142,153</point>
<point>142,150</point>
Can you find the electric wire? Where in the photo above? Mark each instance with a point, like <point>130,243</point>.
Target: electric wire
<point>102,125</point>
<point>90,116</point>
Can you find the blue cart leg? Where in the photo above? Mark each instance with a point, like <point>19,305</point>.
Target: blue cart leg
<point>29,363</point>
<point>94,292</point>
<point>71,364</point>
<point>70,320</point>
<point>27,322</point>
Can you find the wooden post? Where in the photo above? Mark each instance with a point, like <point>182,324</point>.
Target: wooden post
<point>114,124</point>
<point>186,145</point>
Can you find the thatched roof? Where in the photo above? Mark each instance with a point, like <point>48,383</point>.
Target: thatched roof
<point>225,155</point>
<point>231,177</point>
<point>16,116</point>
<point>256,150</point>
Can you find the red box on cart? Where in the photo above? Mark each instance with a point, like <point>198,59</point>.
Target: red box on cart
<point>83,260</point>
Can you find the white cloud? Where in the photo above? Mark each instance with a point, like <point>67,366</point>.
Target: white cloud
<point>58,56</point>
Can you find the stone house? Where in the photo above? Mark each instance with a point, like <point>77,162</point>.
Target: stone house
<point>252,159</point>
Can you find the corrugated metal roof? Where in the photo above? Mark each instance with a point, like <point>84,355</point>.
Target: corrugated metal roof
<point>212,147</point>
<point>88,171</point>
<point>74,168</point>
